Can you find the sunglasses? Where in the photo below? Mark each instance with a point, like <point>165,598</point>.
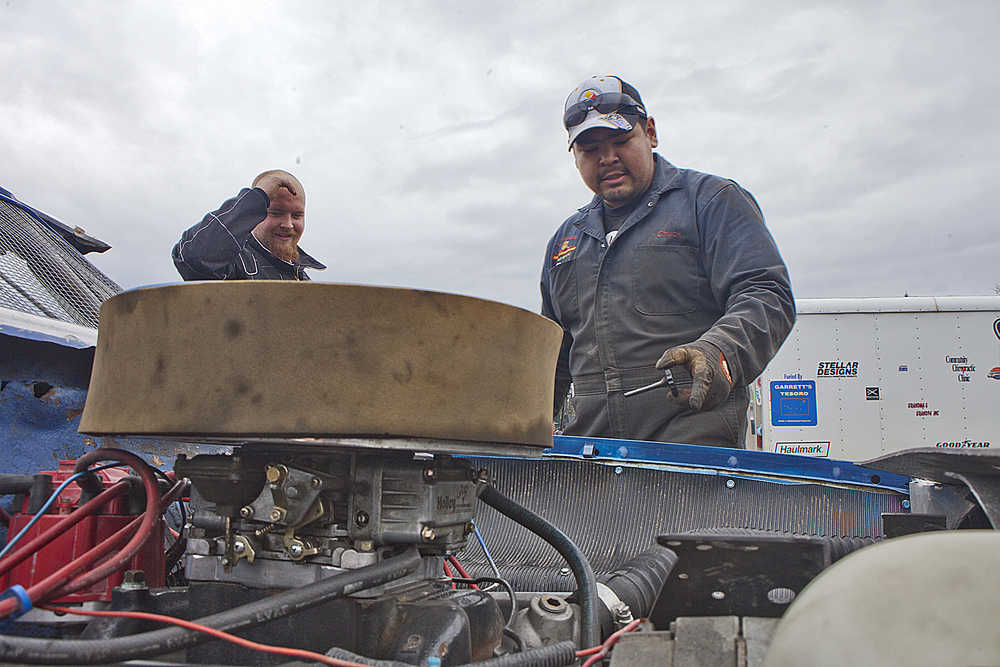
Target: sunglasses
<point>603,103</point>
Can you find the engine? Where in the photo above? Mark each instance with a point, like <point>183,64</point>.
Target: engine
<point>354,476</point>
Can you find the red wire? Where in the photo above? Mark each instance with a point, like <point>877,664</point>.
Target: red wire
<point>116,562</point>
<point>63,578</point>
<point>58,528</point>
<point>448,573</point>
<point>461,570</point>
<point>597,653</point>
<point>219,634</point>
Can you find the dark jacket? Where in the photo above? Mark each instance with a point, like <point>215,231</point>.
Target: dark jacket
<point>694,260</point>
<point>221,246</point>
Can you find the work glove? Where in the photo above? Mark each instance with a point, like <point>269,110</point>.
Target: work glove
<point>710,378</point>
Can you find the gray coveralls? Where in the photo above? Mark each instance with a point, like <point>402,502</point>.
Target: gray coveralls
<point>694,261</point>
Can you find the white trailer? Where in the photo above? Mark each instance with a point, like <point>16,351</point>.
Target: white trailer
<point>858,378</point>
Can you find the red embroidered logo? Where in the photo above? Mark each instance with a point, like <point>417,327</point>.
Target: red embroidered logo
<point>664,234</point>
<point>566,248</point>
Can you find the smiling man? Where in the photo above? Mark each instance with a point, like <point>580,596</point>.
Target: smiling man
<point>665,268</point>
<point>253,236</point>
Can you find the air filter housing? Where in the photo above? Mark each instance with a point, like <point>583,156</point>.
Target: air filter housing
<point>271,359</point>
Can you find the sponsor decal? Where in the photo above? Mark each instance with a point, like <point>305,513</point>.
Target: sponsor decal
<point>793,403</point>
<point>903,368</point>
<point>964,443</point>
<point>961,367</point>
<point>837,369</point>
<point>803,448</point>
<point>872,394</point>
<point>922,410</point>
<point>566,248</point>
<point>994,373</point>
<point>588,94</point>
<point>996,328</point>
<point>792,376</point>
<point>665,234</point>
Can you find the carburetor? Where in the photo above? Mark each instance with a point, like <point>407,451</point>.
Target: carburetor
<point>290,516</point>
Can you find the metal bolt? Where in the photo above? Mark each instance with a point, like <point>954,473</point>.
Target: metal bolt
<point>906,504</point>
<point>295,550</point>
<point>428,533</point>
<point>239,547</point>
<point>469,528</point>
<point>428,473</point>
<point>246,512</point>
<point>274,474</point>
<point>315,482</point>
<point>361,519</point>
<point>484,475</point>
<point>618,470</point>
<point>730,484</point>
<point>564,572</point>
<point>292,492</point>
<point>275,514</point>
<point>622,613</point>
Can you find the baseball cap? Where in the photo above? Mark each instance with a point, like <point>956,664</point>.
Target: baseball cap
<point>602,101</point>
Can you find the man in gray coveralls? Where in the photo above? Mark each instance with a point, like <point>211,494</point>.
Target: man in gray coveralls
<point>665,268</point>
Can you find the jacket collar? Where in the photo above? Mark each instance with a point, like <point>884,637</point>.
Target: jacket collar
<point>306,261</point>
<point>665,177</point>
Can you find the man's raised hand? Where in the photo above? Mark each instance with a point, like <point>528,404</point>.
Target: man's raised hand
<point>272,183</point>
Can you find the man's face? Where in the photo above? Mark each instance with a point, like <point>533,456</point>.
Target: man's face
<point>281,230</point>
<point>617,165</point>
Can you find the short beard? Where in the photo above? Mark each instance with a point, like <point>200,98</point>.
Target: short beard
<point>616,201</point>
<point>284,251</point>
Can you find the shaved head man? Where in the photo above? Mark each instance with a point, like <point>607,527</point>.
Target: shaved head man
<point>281,230</point>
<point>252,236</point>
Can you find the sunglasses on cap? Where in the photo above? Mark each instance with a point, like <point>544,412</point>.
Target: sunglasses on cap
<point>603,103</point>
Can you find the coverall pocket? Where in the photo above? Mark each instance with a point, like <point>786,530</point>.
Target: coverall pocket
<point>665,279</point>
<point>563,290</point>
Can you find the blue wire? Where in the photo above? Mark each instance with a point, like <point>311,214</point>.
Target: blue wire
<point>486,551</point>
<point>52,498</point>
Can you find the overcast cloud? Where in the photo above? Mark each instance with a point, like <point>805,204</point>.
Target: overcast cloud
<point>429,137</point>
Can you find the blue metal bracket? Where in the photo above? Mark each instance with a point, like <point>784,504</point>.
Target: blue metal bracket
<point>736,461</point>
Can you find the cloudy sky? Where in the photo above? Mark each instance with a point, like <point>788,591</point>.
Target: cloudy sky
<point>429,139</point>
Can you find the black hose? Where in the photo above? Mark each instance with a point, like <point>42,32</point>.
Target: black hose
<point>585,580</point>
<point>553,655</point>
<point>97,651</point>
<point>638,581</point>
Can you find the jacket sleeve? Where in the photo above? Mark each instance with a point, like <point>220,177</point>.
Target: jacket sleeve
<point>562,379</point>
<point>210,249</point>
<point>749,280</point>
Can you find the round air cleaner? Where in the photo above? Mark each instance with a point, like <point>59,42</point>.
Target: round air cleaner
<point>270,359</point>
